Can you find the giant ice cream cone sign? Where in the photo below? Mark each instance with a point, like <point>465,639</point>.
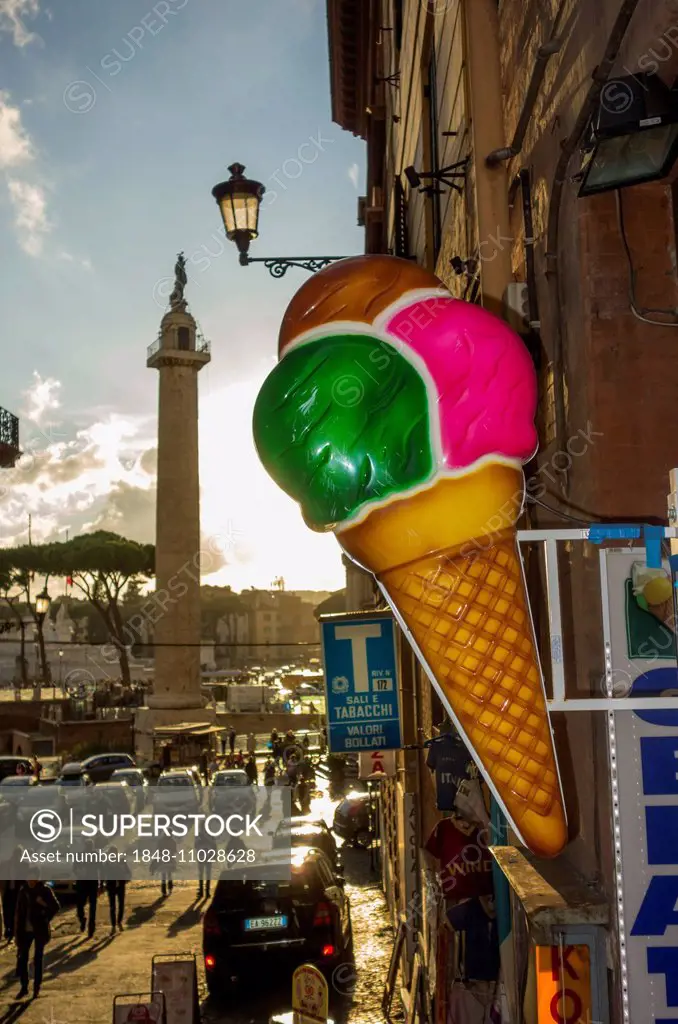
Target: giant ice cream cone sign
<point>400,418</point>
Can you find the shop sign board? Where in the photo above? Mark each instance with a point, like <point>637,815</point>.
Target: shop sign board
<point>379,762</point>
<point>310,996</point>
<point>176,976</point>
<point>644,763</point>
<point>361,682</point>
<point>142,1008</point>
<point>564,985</point>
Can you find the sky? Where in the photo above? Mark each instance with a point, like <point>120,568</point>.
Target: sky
<point>116,119</point>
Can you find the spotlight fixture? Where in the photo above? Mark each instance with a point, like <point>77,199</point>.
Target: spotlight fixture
<point>442,176</point>
<point>632,137</point>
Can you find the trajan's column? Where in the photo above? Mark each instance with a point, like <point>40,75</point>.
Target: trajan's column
<point>178,358</point>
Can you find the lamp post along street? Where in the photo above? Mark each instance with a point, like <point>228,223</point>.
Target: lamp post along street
<point>239,201</point>
<point>42,604</point>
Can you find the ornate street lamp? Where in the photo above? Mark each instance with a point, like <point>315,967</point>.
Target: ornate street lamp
<point>42,603</point>
<point>239,200</point>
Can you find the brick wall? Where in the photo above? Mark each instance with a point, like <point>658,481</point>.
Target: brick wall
<point>621,375</point>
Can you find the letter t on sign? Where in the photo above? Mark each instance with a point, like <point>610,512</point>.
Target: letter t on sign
<point>358,636</point>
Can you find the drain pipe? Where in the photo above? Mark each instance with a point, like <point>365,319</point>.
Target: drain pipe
<point>544,54</point>
<point>600,76</point>
<point>523,181</point>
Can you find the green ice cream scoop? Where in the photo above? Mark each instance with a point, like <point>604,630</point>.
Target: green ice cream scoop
<point>343,421</point>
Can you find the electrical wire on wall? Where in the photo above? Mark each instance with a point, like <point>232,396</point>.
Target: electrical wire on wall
<point>639,312</point>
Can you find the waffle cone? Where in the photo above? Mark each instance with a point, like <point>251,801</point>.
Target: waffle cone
<point>466,609</point>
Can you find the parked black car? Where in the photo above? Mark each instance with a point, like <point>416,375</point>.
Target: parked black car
<point>353,819</point>
<point>250,923</point>
<point>307,831</point>
<point>100,767</point>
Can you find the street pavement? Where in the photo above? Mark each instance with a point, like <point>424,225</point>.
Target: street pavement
<point>82,975</point>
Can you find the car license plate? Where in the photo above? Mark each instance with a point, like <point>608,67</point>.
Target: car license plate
<point>262,924</point>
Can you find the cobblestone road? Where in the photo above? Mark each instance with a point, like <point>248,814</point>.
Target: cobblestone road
<point>82,976</point>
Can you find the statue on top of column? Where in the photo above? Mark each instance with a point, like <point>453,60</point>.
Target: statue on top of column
<point>180,279</point>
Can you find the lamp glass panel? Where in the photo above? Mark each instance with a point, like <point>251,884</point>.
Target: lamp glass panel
<point>252,214</point>
<point>239,211</point>
<point>41,605</point>
<point>227,214</point>
<point>630,158</point>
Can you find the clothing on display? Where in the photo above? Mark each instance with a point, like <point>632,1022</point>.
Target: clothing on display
<point>472,1004</point>
<point>465,862</point>
<point>452,763</point>
<point>475,923</point>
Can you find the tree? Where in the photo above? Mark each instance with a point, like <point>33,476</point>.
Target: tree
<point>12,581</point>
<point>101,565</point>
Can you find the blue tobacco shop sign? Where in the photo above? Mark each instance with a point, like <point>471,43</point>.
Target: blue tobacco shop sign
<point>361,682</point>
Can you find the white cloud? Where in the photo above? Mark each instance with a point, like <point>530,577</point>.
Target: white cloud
<point>13,14</point>
<point>15,144</point>
<point>83,262</point>
<point>105,478</point>
<point>30,215</point>
<point>41,398</point>
<point>353,173</point>
<point>29,201</point>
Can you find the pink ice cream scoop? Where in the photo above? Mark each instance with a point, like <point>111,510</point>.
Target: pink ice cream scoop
<point>485,378</point>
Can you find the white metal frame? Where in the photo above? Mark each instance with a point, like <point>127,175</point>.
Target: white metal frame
<point>559,701</point>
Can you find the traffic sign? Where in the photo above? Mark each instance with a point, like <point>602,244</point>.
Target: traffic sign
<point>361,682</point>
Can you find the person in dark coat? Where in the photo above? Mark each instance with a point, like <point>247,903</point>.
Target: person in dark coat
<point>167,846</point>
<point>203,765</point>
<point>231,739</point>
<point>251,769</point>
<point>36,905</point>
<point>116,889</point>
<point>10,892</point>
<point>86,895</point>
<point>205,856</point>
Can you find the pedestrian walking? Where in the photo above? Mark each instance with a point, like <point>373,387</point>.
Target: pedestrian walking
<point>231,739</point>
<point>86,895</point>
<point>168,853</point>
<point>251,769</point>
<point>292,769</point>
<point>166,757</point>
<point>10,892</point>
<point>36,767</point>
<point>269,772</point>
<point>251,743</point>
<point>239,759</point>
<point>116,889</point>
<point>203,765</point>
<point>303,796</point>
<point>36,905</point>
<point>205,855</point>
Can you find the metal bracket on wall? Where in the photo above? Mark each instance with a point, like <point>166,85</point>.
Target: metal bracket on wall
<point>549,540</point>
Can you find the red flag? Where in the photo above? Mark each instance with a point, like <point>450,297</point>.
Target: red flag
<point>69,581</point>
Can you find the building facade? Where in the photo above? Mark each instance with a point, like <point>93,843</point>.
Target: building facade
<point>474,113</point>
